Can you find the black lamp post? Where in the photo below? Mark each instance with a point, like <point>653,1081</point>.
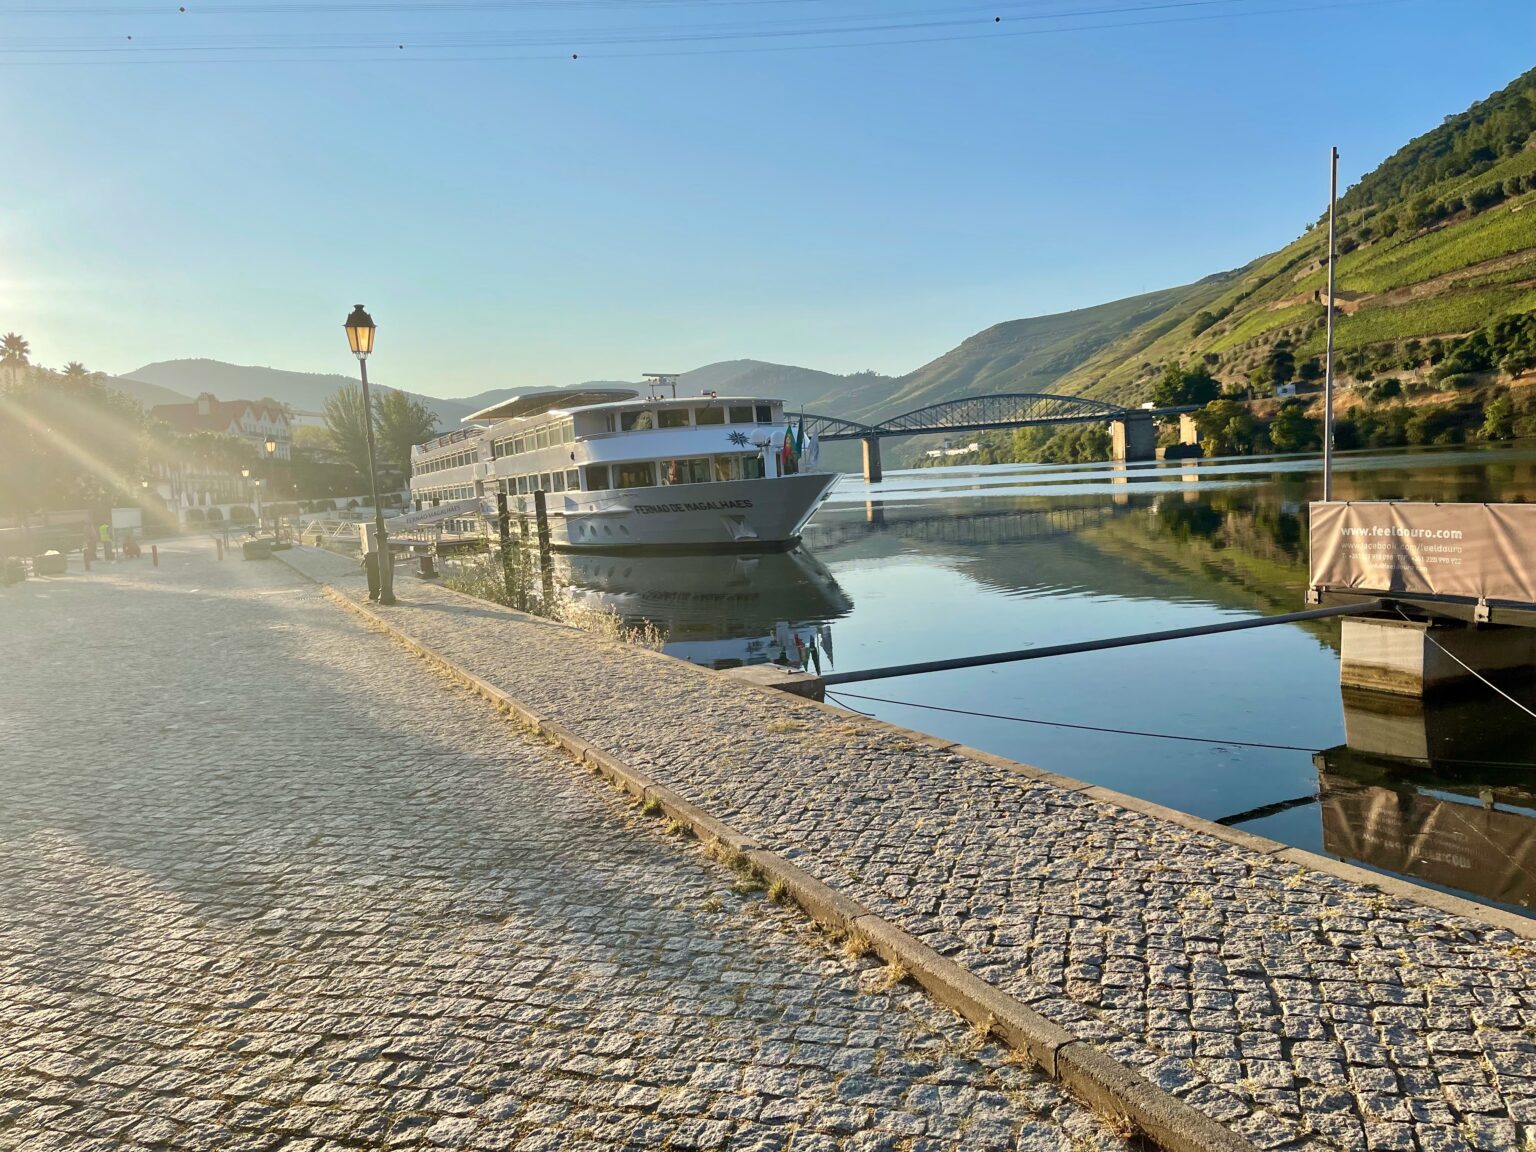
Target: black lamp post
<point>255,491</point>
<point>360,333</point>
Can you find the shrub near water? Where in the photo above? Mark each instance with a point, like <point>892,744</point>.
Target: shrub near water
<point>519,586</point>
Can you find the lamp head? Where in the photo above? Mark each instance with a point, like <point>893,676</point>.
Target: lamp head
<point>271,445</point>
<point>360,330</point>
<point>245,472</point>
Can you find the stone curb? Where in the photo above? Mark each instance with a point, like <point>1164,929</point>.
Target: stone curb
<point>1105,1084</point>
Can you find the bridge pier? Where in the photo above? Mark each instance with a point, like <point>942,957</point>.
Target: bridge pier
<point>872,472</point>
<point>1133,437</point>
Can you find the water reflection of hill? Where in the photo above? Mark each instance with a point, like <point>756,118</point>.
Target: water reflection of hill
<point>1237,549</point>
<point>1233,549</point>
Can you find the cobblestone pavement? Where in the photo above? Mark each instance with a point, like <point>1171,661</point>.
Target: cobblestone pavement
<point>1302,1010</point>
<point>266,881</point>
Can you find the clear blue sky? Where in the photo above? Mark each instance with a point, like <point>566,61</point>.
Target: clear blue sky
<point>514,222</point>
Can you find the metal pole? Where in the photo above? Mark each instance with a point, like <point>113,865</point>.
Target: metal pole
<point>386,564</point>
<point>1333,260</point>
<point>504,531</point>
<point>1360,609</point>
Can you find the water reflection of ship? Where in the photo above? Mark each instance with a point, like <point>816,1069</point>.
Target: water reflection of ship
<point>1431,791</point>
<point>720,610</point>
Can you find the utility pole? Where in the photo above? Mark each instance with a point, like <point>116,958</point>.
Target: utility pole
<point>1333,259</point>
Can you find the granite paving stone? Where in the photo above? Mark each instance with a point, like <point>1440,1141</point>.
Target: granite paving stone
<point>268,881</point>
<point>1263,980</point>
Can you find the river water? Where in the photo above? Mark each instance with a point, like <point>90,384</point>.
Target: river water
<point>946,562</point>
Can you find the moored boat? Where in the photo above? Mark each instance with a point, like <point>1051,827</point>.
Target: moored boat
<point>622,471</point>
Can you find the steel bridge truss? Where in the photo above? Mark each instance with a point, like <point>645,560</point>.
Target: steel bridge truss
<point>972,414</point>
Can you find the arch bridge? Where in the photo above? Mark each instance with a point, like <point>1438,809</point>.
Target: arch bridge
<point>1134,435</point>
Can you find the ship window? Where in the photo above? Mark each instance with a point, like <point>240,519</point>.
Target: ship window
<point>559,481</point>
<point>522,486</point>
<point>572,480</point>
<point>544,482</point>
<point>567,431</point>
<point>672,418</point>
<point>519,445</point>
<point>694,471</point>
<point>741,414</point>
<point>541,436</point>
<point>597,477</point>
<point>727,467</point>
<point>751,467</point>
<point>639,474</point>
<point>704,416</point>
<point>641,421</point>
<point>764,414</point>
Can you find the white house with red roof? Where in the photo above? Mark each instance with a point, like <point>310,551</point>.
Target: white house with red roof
<point>249,420</point>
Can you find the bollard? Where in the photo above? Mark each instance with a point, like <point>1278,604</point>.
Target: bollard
<point>371,567</point>
<point>218,546</point>
<point>154,554</point>
<point>86,554</point>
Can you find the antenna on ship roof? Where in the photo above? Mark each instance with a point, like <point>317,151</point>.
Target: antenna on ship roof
<point>660,380</point>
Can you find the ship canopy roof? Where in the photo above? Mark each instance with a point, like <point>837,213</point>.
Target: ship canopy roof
<point>548,399</point>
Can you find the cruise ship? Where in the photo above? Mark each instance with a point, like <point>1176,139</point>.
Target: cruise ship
<point>622,471</point>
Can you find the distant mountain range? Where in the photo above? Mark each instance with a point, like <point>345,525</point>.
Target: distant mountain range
<point>1438,240</point>
<point>177,381</point>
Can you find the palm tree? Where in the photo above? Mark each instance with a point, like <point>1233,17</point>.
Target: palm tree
<point>75,370</point>
<point>14,350</point>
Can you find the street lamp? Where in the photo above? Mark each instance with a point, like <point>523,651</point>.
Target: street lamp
<point>271,449</point>
<point>256,490</point>
<point>360,334</point>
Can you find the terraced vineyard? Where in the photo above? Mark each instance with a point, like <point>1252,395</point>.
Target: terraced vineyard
<point>1418,260</point>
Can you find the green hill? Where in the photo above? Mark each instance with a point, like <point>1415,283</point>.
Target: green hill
<point>1438,241</point>
<point>1032,355</point>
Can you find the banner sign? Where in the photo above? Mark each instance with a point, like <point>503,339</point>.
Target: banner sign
<point>1475,551</point>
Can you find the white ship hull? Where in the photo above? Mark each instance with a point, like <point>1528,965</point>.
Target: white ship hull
<point>733,515</point>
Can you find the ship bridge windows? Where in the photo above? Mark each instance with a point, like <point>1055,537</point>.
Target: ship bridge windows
<point>641,421</point>
<point>684,416</point>
<point>548,435</point>
<point>690,471</point>
<point>634,474</point>
<point>439,463</point>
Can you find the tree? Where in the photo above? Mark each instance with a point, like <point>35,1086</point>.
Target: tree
<point>1499,419</point>
<point>401,422</point>
<point>1281,363</point>
<point>1178,386</point>
<point>1292,430</point>
<point>344,419</point>
<point>14,350</point>
<point>75,370</point>
<point>1227,428</point>
<point>74,446</point>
